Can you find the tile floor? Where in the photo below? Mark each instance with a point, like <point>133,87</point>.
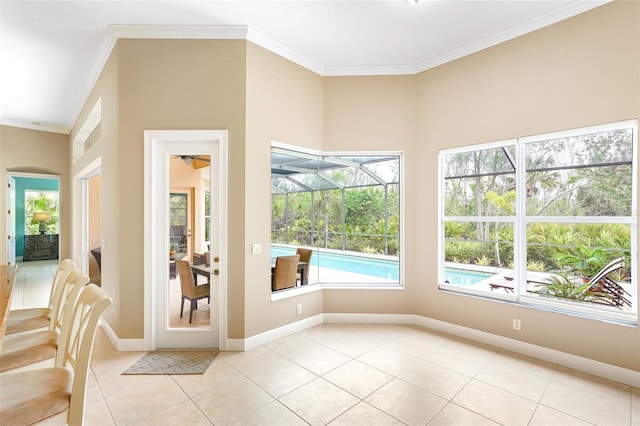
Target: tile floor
<point>347,374</point>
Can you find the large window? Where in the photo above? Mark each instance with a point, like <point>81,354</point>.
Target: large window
<point>546,220</point>
<point>345,207</point>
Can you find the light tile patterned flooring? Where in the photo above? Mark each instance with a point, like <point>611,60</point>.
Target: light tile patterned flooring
<point>347,374</point>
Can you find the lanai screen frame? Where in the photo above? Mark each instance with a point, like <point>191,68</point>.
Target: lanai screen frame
<point>295,169</point>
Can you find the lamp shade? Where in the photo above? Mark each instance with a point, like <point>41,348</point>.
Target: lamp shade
<point>41,217</point>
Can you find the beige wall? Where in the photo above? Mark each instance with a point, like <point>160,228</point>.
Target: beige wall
<point>583,71</point>
<point>24,150</point>
<point>104,151</point>
<point>378,113</point>
<point>580,72</point>
<point>284,104</point>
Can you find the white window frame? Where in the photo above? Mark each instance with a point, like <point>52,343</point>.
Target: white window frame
<point>520,222</point>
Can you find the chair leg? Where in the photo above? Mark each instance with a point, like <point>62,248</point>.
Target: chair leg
<point>181,306</point>
<point>193,306</point>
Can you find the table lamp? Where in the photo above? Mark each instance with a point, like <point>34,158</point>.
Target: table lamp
<point>43,218</point>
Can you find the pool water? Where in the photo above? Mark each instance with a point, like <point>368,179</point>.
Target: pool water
<point>463,278</point>
<point>379,268</point>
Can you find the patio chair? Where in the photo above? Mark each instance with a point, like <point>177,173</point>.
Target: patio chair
<point>35,318</point>
<point>284,275</point>
<point>56,395</point>
<point>189,288</point>
<point>305,256</point>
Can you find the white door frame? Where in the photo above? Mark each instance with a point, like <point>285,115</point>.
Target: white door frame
<point>11,220</point>
<point>158,145</point>
<point>82,178</point>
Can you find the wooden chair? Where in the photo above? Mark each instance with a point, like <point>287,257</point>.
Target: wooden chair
<point>190,290</point>
<point>39,348</point>
<point>305,256</point>
<point>284,275</point>
<point>35,318</point>
<point>56,395</point>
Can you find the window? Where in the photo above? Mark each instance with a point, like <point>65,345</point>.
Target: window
<point>343,206</point>
<point>537,220</point>
<point>41,202</point>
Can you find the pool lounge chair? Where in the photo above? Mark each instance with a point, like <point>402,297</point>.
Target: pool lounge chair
<point>613,292</point>
<point>616,295</point>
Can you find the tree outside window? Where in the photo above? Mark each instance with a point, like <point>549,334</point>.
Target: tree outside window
<point>41,202</point>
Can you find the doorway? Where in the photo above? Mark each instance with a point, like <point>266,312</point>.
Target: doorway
<point>33,216</point>
<point>183,202</point>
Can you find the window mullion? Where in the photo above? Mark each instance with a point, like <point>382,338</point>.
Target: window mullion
<point>520,227</point>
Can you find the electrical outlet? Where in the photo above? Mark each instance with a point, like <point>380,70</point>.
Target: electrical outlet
<point>517,325</point>
<point>256,248</point>
<point>298,309</point>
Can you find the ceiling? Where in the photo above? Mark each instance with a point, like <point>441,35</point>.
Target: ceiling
<point>51,52</point>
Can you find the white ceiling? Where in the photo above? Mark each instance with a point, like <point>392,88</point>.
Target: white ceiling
<point>52,51</point>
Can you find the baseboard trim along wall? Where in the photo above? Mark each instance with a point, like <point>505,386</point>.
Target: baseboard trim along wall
<point>607,371</point>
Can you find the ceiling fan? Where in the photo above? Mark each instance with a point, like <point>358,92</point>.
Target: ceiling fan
<point>197,161</point>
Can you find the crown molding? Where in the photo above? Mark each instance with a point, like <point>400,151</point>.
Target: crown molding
<point>544,20</point>
<point>31,126</point>
<point>243,32</point>
<point>283,51</point>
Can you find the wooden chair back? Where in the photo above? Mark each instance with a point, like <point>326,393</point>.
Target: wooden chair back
<point>187,283</point>
<point>284,275</point>
<point>305,254</point>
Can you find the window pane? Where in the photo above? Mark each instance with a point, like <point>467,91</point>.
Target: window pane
<point>480,183</point>
<point>345,207</point>
<point>569,257</point>
<point>589,175</point>
<point>477,253</point>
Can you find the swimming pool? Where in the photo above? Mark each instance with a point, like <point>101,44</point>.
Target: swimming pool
<point>380,268</point>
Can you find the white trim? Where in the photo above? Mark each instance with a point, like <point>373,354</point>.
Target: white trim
<point>285,330</point>
<point>122,345</point>
<point>243,32</point>
<point>550,18</point>
<point>601,369</point>
<point>156,144</point>
<point>590,366</point>
<point>38,127</point>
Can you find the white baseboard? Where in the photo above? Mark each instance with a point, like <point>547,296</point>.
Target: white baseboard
<point>274,334</point>
<point>608,371</point>
<point>601,369</point>
<point>122,345</point>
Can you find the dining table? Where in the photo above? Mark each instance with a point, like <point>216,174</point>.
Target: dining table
<point>7,282</point>
<point>205,271</point>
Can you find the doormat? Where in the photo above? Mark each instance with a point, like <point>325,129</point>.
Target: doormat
<point>173,362</point>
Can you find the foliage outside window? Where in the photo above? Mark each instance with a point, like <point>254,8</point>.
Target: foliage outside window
<point>207,216</point>
<point>534,219</point>
<point>41,202</point>
<point>345,206</point>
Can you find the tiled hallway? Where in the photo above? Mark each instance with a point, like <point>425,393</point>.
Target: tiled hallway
<point>345,374</point>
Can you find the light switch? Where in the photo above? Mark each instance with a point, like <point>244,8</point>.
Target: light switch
<point>256,248</point>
